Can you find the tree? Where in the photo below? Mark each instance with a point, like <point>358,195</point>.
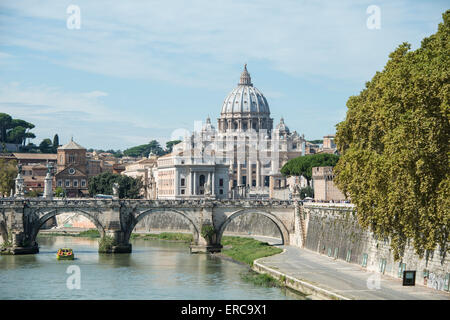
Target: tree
<point>145,149</point>
<point>8,172</point>
<point>16,135</point>
<point>302,166</point>
<point>170,144</point>
<point>55,143</point>
<point>5,124</point>
<point>59,192</point>
<point>129,187</point>
<point>306,192</point>
<point>46,146</point>
<point>14,130</point>
<point>394,144</point>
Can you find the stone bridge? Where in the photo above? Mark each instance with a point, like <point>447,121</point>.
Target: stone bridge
<point>21,220</point>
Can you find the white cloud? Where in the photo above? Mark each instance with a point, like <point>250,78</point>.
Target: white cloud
<point>193,42</point>
<point>83,113</point>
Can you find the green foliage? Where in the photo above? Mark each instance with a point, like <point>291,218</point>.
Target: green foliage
<point>169,236</point>
<point>247,249</point>
<point>207,232</point>
<point>59,192</point>
<point>32,194</point>
<point>8,172</point>
<point>129,187</point>
<point>91,233</point>
<point>145,149</point>
<point>55,143</point>
<point>316,141</point>
<point>395,147</point>
<point>302,166</point>
<point>306,192</point>
<point>260,279</point>
<point>46,146</point>
<point>105,244</point>
<point>14,130</point>
<point>170,144</point>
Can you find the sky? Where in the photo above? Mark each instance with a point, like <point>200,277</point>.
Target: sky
<point>135,71</point>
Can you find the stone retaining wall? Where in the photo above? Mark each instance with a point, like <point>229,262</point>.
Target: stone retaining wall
<point>333,230</point>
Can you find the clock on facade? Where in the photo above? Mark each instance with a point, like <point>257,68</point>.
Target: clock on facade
<point>71,171</point>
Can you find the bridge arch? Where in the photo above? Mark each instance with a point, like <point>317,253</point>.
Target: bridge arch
<point>143,214</point>
<point>54,212</point>
<point>278,223</point>
<point>3,232</point>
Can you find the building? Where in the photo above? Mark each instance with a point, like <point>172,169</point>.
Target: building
<point>73,170</point>
<point>242,157</point>
<point>142,169</point>
<point>324,187</point>
<point>34,169</point>
<point>328,145</point>
<point>179,177</point>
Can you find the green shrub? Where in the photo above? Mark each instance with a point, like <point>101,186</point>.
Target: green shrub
<point>105,244</point>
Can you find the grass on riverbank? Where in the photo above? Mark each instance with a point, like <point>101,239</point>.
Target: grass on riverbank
<point>168,236</point>
<point>261,279</point>
<point>91,233</point>
<point>247,250</point>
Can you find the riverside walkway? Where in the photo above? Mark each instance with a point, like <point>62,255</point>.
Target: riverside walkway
<point>344,279</point>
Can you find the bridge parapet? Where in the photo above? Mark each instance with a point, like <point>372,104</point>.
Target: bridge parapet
<point>116,218</point>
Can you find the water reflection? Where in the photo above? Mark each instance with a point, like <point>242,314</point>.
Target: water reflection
<point>154,270</point>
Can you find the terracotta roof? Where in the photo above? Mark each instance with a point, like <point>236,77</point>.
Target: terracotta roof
<point>36,156</point>
<point>72,146</point>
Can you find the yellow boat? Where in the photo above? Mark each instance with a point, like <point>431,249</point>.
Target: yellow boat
<point>65,254</point>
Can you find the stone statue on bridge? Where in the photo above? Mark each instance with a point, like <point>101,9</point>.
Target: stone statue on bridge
<point>19,183</point>
<point>115,188</point>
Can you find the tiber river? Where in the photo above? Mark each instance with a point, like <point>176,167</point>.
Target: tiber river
<point>154,270</point>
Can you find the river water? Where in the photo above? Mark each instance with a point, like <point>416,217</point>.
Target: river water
<point>154,270</point>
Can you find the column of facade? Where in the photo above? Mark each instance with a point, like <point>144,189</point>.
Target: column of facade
<point>249,171</point>
<point>176,192</point>
<point>213,184</point>
<point>239,180</point>
<point>195,183</point>
<point>258,174</point>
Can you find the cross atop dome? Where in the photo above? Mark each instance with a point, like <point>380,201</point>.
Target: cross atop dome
<point>245,77</point>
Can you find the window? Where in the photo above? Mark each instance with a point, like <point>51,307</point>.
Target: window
<point>253,183</point>
<point>447,281</point>
<point>364,261</point>
<point>83,183</point>
<point>183,191</point>
<point>59,183</point>
<point>220,182</point>
<point>382,265</point>
<point>401,268</point>
<point>71,159</point>
<point>75,183</point>
<point>183,181</point>
<point>67,183</point>
<point>349,255</point>
<point>221,191</point>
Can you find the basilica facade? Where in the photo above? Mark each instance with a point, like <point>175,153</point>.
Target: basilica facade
<point>240,158</point>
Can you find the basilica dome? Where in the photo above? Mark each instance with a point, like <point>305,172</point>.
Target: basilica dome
<point>245,99</point>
